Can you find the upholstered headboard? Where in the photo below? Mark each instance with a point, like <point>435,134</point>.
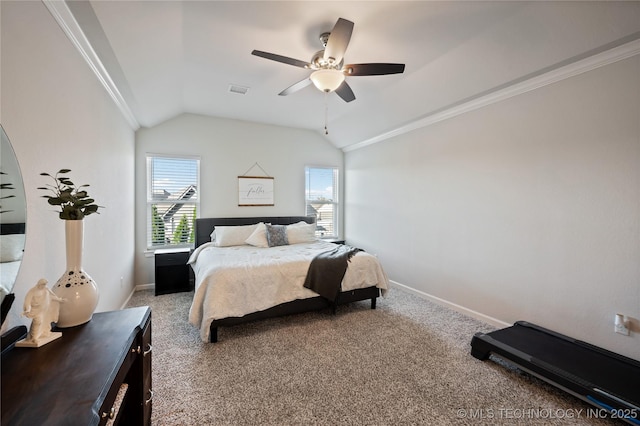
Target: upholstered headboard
<point>205,226</point>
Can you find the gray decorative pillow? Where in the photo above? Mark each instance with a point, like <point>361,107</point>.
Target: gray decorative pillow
<point>276,235</point>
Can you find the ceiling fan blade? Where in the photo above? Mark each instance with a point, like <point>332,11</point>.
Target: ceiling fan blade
<point>338,40</point>
<point>345,92</point>
<point>295,87</point>
<point>280,58</point>
<point>373,69</point>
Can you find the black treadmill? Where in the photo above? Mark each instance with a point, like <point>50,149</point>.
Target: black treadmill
<point>602,378</point>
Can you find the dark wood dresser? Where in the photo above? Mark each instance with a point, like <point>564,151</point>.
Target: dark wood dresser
<point>96,373</point>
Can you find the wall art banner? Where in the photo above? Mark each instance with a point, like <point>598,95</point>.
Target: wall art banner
<point>255,191</point>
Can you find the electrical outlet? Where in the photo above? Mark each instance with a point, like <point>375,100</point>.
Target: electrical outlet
<point>620,325</point>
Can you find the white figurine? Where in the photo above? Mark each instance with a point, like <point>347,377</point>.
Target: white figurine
<point>41,305</point>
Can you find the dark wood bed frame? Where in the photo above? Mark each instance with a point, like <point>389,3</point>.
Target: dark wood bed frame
<point>203,229</point>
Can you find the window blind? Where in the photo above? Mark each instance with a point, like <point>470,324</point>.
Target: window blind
<point>321,198</point>
<point>172,200</point>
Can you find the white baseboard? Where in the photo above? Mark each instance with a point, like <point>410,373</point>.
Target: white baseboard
<point>126,302</point>
<point>137,288</point>
<point>466,311</point>
<point>141,287</point>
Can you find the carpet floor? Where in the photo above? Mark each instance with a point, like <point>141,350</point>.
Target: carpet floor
<point>407,362</point>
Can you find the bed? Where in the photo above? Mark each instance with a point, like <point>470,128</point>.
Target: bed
<point>12,238</point>
<point>237,282</point>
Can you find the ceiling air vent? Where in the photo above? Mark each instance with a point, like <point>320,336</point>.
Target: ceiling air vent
<point>241,90</point>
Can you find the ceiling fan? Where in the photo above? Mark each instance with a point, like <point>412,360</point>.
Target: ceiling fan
<point>328,67</point>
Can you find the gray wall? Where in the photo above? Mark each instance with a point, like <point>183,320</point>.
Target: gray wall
<point>528,209</point>
<point>57,115</point>
<point>228,149</point>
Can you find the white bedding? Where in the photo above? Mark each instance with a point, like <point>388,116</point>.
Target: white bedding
<point>8,275</point>
<point>235,281</point>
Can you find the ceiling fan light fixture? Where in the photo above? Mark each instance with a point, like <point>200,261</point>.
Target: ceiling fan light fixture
<point>327,80</point>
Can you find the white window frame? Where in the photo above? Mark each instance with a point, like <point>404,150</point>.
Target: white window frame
<point>335,231</point>
<point>151,200</point>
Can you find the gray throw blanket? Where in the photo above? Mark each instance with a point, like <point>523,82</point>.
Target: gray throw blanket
<point>327,270</point>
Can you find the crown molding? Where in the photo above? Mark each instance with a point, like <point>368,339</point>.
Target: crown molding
<point>598,60</point>
<point>65,19</point>
<point>71,28</point>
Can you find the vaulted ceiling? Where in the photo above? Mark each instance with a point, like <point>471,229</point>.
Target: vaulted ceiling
<point>171,57</point>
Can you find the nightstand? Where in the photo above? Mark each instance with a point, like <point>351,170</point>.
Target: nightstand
<point>172,272</point>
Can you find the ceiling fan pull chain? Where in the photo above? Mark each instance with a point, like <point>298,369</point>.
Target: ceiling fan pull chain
<point>326,113</point>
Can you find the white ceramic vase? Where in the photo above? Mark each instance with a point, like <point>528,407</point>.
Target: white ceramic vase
<point>75,285</point>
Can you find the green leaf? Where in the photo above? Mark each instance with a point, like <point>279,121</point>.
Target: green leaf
<point>93,208</point>
<point>55,201</point>
<point>74,202</point>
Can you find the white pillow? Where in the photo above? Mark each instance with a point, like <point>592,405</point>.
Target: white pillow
<point>227,236</point>
<point>11,247</point>
<point>301,232</point>
<point>259,236</point>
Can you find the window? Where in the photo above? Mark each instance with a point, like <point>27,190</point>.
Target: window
<point>321,194</point>
<point>172,200</point>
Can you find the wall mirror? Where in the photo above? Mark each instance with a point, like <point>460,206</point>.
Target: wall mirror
<point>12,221</point>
